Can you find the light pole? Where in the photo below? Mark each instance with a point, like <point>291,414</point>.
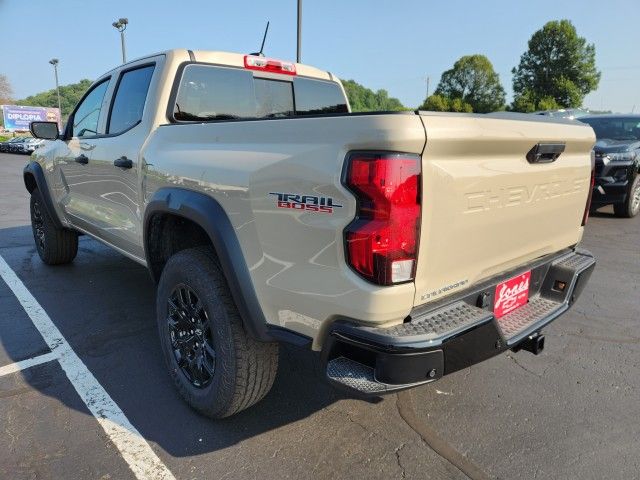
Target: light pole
<point>54,62</point>
<point>121,26</point>
<point>299,50</point>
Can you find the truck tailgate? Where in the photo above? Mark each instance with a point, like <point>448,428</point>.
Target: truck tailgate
<point>486,208</point>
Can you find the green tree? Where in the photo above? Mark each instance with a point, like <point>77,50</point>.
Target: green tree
<point>69,96</point>
<point>6,94</point>
<point>474,82</point>
<point>363,99</point>
<point>440,103</point>
<point>559,69</point>
<point>435,103</point>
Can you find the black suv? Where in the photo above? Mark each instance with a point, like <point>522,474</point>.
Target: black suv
<point>617,153</point>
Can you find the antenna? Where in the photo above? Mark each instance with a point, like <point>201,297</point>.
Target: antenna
<point>260,54</point>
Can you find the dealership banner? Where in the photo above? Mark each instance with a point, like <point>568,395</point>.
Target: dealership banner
<point>17,117</point>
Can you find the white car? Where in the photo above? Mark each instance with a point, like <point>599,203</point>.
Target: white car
<point>31,145</point>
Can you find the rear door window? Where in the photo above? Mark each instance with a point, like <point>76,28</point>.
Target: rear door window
<point>130,98</point>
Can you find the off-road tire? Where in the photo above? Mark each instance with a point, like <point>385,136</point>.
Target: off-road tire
<point>244,368</point>
<point>55,246</point>
<point>631,207</point>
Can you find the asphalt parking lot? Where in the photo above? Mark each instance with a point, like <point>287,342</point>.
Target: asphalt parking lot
<point>571,412</point>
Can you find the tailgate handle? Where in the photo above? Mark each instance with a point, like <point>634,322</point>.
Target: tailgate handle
<point>545,152</point>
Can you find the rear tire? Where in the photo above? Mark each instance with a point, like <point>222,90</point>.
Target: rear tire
<point>631,207</point>
<point>216,366</point>
<point>55,246</point>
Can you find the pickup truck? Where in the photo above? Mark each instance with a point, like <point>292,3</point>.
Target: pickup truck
<point>401,246</point>
<point>617,154</point>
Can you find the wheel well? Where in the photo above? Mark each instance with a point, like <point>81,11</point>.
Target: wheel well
<point>30,182</point>
<point>168,234</point>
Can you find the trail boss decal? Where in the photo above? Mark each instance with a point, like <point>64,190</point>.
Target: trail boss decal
<point>511,294</point>
<point>309,203</point>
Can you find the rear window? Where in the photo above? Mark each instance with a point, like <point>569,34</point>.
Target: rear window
<point>273,98</point>
<point>219,93</point>
<point>315,97</point>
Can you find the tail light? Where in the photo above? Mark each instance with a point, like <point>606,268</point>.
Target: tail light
<point>382,242</point>
<point>254,62</point>
<point>592,184</point>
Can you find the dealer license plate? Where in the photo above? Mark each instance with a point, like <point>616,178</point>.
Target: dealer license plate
<point>511,294</point>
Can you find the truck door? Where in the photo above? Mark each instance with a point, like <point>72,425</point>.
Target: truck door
<point>116,161</point>
<point>75,178</point>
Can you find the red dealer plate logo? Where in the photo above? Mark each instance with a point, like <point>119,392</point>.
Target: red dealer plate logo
<point>511,294</point>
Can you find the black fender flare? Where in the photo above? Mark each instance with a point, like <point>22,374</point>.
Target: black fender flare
<point>33,177</point>
<point>206,212</point>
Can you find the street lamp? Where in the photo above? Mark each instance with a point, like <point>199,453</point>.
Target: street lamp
<point>299,49</point>
<point>54,62</point>
<point>121,26</point>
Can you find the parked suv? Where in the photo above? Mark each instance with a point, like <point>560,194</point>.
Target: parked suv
<point>402,246</point>
<point>617,157</point>
<point>13,145</point>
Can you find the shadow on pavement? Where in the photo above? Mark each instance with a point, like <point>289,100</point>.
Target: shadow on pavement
<point>104,305</point>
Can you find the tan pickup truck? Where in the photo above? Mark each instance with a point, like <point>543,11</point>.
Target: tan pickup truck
<point>402,246</point>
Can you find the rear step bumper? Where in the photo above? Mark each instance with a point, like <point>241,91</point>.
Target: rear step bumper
<point>455,333</point>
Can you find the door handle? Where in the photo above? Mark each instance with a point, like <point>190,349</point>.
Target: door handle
<point>83,159</point>
<point>123,162</point>
<point>545,152</point>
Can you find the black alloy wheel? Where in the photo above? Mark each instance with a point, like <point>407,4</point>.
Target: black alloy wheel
<point>38,226</point>
<point>191,336</point>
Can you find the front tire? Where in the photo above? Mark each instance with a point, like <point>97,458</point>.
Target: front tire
<point>216,366</point>
<point>631,207</point>
<point>55,246</point>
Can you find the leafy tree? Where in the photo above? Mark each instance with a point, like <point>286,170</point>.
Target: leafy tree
<point>69,96</point>
<point>474,82</point>
<point>6,92</point>
<point>440,103</point>
<point>459,105</point>
<point>363,99</point>
<point>436,103</point>
<point>527,103</point>
<point>558,69</point>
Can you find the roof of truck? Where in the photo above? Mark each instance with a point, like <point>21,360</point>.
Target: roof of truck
<point>232,59</point>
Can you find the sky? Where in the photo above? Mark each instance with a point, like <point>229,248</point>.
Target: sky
<point>393,45</point>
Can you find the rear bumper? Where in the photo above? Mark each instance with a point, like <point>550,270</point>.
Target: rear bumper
<point>612,182</point>
<point>454,333</point>
<point>606,194</point>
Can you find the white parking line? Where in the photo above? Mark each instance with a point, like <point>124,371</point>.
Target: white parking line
<point>142,460</point>
<point>27,363</point>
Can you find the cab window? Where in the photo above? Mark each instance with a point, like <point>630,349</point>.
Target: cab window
<point>130,98</point>
<point>220,93</point>
<point>273,98</point>
<point>85,119</point>
<point>214,93</point>
<point>317,97</point>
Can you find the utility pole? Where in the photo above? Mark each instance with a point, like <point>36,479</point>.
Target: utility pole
<point>428,80</point>
<point>54,62</point>
<point>299,50</point>
<point>121,26</point>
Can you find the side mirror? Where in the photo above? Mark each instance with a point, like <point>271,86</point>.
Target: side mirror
<point>45,130</point>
